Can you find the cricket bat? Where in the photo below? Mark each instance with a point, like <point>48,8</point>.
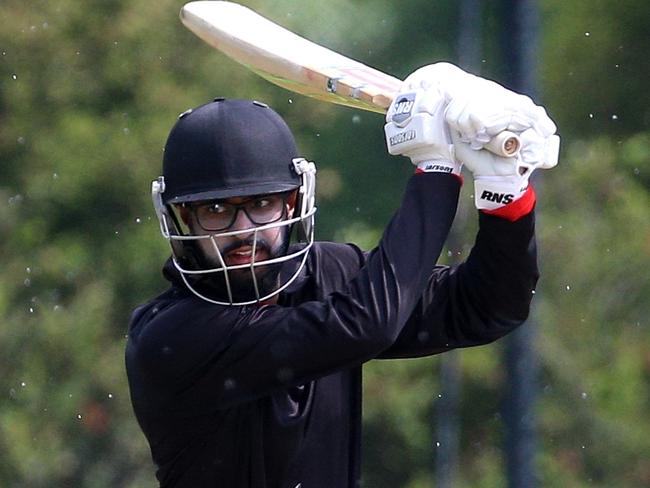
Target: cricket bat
<point>299,65</point>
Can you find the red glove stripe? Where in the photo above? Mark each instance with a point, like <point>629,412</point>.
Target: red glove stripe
<point>517,209</point>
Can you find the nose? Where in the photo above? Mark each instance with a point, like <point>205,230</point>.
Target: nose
<point>242,221</point>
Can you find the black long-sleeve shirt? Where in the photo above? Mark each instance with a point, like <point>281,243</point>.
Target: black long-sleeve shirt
<point>270,396</point>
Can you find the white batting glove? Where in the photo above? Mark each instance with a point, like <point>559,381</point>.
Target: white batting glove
<point>476,111</point>
<point>415,127</point>
<point>476,116</point>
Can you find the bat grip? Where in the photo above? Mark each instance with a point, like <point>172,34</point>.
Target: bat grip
<point>505,144</point>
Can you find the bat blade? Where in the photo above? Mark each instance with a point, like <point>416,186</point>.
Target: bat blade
<point>299,65</point>
<point>288,60</point>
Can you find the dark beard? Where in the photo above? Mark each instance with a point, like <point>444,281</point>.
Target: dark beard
<point>242,281</point>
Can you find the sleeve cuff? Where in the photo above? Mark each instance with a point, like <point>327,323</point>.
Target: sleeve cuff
<point>517,209</point>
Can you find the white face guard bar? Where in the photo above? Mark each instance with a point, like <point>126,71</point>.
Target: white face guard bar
<point>304,218</point>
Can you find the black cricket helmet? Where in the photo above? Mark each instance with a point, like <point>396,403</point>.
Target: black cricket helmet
<point>225,149</point>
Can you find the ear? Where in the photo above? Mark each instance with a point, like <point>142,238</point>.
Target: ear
<point>186,215</point>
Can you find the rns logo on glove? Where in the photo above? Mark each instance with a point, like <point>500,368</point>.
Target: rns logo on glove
<point>403,107</point>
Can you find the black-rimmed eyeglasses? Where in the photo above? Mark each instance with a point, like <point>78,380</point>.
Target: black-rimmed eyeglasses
<point>220,215</point>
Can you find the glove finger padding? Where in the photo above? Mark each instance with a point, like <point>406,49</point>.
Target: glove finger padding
<point>538,152</point>
<point>482,114</point>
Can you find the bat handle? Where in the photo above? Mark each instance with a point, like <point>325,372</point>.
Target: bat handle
<point>505,144</point>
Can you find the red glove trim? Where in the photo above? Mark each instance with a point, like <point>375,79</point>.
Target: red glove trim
<point>517,209</point>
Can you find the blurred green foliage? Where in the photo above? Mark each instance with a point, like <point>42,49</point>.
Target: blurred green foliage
<point>88,92</point>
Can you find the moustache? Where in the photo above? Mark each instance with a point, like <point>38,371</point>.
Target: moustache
<point>260,244</point>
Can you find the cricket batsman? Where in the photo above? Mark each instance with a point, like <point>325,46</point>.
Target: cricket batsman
<point>246,371</point>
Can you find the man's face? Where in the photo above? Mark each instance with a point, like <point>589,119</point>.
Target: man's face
<point>241,215</point>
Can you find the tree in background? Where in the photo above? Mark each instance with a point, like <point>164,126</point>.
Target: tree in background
<point>87,96</point>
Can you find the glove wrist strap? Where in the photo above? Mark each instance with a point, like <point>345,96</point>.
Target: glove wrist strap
<point>438,166</point>
<point>517,209</point>
<point>492,192</point>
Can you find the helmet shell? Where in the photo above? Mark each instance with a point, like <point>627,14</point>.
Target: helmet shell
<point>228,148</point>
